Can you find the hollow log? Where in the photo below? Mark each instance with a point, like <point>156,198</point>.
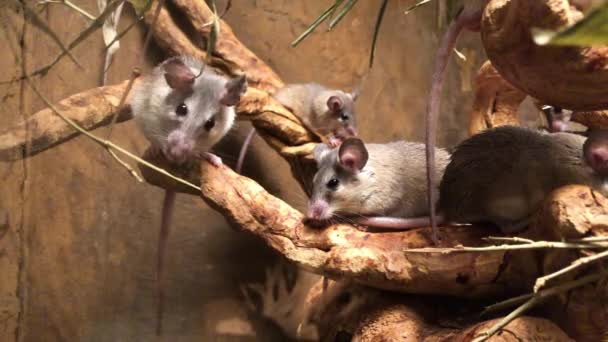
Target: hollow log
<point>569,77</point>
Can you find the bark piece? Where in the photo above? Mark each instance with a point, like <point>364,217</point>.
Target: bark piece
<point>496,101</point>
<point>569,77</point>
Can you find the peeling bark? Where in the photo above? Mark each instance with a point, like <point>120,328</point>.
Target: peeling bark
<point>568,77</point>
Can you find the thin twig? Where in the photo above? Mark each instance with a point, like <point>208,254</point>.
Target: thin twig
<point>526,246</point>
<point>540,282</point>
<point>69,5</point>
<point>125,165</point>
<point>509,239</point>
<point>105,143</point>
<point>535,298</point>
<point>31,15</point>
<point>96,24</point>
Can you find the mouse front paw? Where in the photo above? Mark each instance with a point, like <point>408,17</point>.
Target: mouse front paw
<point>334,141</point>
<point>213,159</point>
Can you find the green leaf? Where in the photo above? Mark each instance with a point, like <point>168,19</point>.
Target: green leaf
<point>372,53</point>
<point>416,5</point>
<point>590,31</point>
<point>141,6</point>
<point>349,5</point>
<point>316,23</point>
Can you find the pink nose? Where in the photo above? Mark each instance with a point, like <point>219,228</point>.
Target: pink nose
<point>318,210</point>
<point>179,147</point>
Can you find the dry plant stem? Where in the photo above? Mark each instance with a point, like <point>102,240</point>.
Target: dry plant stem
<point>68,4</point>
<point>31,15</point>
<point>540,282</point>
<point>105,143</point>
<point>96,24</point>
<point>537,297</point>
<point>535,245</point>
<point>134,74</point>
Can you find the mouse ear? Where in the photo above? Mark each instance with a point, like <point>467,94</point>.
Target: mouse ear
<point>352,155</point>
<point>320,151</point>
<point>335,104</point>
<point>178,75</point>
<point>595,151</point>
<point>235,88</point>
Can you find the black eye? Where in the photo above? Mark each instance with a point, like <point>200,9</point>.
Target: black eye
<point>333,184</point>
<point>181,110</point>
<point>209,124</point>
<point>344,117</point>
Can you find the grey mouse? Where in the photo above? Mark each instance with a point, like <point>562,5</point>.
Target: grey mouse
<point>329,113</point>
<point>502,175</point>
<point>381,185</point>
<point>183,109</point>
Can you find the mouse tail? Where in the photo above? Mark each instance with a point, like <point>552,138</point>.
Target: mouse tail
<point>442,58</point>
<point>400,223</point>
<point>165,225</point>
<point>244,148</point>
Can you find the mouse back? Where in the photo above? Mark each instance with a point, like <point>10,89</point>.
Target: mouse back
<point>504,173</point>
<point>325,111</point>
<point>371,179</point>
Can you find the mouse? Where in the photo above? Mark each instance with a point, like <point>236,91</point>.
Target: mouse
<point>379,185</point>
<point>557,118</point>
<point>330,113</point>
<point>183,108</point>
<point>502,175</point>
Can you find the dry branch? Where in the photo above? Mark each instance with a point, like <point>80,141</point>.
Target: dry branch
<point>90,109</point>
<point>569,77</point>
<point>594,120</point>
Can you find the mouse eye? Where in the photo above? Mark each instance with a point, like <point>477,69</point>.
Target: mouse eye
<point>181,110</point>
<point>344,117</point>
<point>209,124</point>
<point>332,184</point>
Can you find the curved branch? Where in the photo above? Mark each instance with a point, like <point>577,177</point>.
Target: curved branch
<point>90,109</point>
<point>569,77</point>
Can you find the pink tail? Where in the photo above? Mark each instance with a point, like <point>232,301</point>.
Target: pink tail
<point>243,152</point>
<point>165,225</point>
<point>399,223</point>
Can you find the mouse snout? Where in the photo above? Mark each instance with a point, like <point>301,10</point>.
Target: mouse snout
<point>318,210</point>
<point>599,160</point>
<point>179,147</point>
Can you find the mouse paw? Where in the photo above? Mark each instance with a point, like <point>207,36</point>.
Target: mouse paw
<point>213,159</point>
<point>334,141</point>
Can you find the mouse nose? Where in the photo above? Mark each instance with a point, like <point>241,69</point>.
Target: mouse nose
<point>179,147</point>
<point>318,210</point>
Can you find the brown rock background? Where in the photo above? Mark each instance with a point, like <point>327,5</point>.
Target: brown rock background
<point>77,263</point>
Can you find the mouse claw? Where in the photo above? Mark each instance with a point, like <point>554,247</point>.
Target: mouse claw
<point>213,159</point>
